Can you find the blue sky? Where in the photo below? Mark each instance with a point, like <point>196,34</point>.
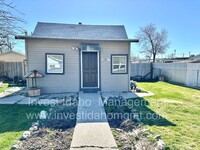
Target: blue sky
<point>181,18</point>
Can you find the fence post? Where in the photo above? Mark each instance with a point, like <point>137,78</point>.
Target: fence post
<point>197,78</point>
<point>151,74</point>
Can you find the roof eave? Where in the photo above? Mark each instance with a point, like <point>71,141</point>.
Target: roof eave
<point>73,39</point>
<point>17,53</point>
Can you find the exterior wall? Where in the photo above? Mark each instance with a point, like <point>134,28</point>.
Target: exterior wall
<point>12,57</point>
<point>70,81</point>
<point>113,82</point>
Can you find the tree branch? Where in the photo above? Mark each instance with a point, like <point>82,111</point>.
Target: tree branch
<point>153,41</point>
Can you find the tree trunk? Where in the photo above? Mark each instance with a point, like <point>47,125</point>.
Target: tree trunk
<point>154,58</point>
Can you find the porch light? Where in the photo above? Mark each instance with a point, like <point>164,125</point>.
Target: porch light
<point>75,48</point>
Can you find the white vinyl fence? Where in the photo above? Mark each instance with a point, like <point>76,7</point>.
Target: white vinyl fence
<point>141,69</point>
<point>183,73</point>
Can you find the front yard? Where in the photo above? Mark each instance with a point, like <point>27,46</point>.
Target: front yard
<point>173,112</point>
<point>180,106</point>
<point>13,122</point>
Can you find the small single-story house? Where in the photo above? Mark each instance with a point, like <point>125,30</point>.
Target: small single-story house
<point>12,56</point>
<point>77,57</point>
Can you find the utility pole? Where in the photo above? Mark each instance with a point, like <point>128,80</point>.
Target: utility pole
<point>174,53</point>
<point>189,53</point>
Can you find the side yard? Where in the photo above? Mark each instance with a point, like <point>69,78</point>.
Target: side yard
<point>180,106</point>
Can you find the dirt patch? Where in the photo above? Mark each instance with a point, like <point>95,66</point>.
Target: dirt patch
<point>127,128</point>
<point>46,139</point>
<point>137,139</point>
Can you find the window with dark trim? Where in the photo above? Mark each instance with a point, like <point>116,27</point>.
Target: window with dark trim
<point>54,63</point>
<point>119,64</point>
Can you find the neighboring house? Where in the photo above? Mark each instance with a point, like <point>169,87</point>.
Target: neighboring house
<point>192,59</point>
<point>12,64</point>
<point>77,57</point>
<point>12,56</point>
<point>195,59</point>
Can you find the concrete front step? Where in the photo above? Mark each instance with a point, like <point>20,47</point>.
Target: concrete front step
<point>92,131</point>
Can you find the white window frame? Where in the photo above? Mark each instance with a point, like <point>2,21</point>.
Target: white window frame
<point>126,63</point>
<point>63,63</point>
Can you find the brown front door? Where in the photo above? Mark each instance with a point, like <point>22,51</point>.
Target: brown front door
<point>90,69</point>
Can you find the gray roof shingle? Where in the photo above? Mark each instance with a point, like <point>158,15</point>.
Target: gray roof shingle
<point>80,31</point>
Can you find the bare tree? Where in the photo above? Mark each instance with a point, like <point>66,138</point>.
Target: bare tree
<point>152,41</point>
<point>8,25</point>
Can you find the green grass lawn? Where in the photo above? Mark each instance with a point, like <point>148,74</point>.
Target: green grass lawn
<point>5,86</point>
<point>180,108</point>
<point>176,109</point>
<point>14,121</point>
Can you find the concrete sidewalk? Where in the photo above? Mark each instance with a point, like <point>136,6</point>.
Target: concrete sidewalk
<point>92,131</point>
<point>11,91</point>
<point>45,99</point>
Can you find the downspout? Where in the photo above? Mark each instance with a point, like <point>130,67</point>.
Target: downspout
<point>129,66</point>
<point>27,59</point>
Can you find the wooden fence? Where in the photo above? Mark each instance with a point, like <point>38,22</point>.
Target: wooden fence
<point>12,69</point>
